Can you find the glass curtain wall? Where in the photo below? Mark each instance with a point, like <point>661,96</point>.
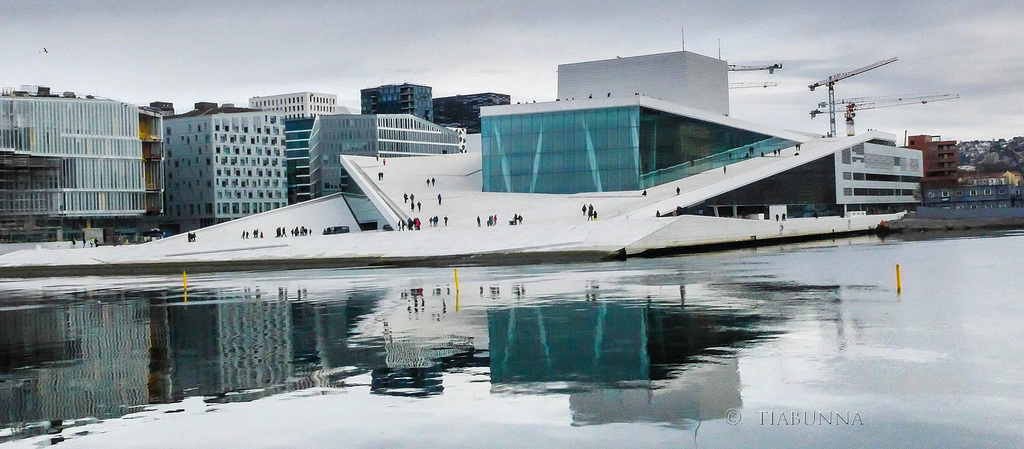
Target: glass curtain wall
<point>673,147</point>
<point>610,149</point>
<point>562,152</point>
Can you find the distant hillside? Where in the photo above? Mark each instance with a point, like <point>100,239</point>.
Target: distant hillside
<point>992,156</point>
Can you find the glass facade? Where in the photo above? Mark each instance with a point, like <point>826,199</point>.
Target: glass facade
<point>66,162</point>
<point>297,133</point>
<point>411,99</point>
<point>607,149</point>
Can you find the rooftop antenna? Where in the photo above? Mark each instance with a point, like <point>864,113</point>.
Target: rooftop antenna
<point>683,37</point>
<point>719,49</point>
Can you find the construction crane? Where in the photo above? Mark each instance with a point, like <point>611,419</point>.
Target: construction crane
<point>745,84</point>
<point>885,101</point>
<point>743,68</point>
<point>831,82</point>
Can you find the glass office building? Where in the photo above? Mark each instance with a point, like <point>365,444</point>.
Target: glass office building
<point>296,134</point>
<point>565,147</point>
<point>68,163</point>
<point>413,99</point>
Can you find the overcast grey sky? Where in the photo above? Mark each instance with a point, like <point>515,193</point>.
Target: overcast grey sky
<point>228,51</point>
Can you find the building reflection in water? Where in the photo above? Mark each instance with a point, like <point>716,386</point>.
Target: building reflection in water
<point>89,359</point>
<point>623,362</point>
<point>106,353</point>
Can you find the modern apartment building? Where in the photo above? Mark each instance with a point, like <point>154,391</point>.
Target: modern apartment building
<point>298,104</point>
<point>940,160</point>
<point>223,162</point>
<point>69,163</point>
<point>463,111</point>
<point>406,98</point>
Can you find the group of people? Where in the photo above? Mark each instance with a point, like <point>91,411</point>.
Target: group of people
<point>589,211</point>
<point>85,243</point>
<point>256,234</point>
<point>434,221</point>
<point>191,237</point>
<point>413,224</point>
<point>295,232</point>
<point>413,205</point>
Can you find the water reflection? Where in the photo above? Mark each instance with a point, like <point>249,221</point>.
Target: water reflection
<point>622,352</point>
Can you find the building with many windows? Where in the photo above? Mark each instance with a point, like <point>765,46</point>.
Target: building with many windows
<point>298,104</point>
<point>69,163</point>
<point>222,163</point>
<point>463,111</point>
<point>940,160</point>
<point>384,136</point>
<point>405,98</point>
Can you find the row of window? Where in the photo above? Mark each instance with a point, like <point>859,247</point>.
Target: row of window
<point>849,191</point>
<point>974,192</point>
<point>227,208</point>
<point>856,176</point>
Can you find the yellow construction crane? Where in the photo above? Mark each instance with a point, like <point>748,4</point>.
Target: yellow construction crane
<point>831,82</point>
<point>885,101</point>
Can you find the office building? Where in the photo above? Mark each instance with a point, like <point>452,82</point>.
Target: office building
<point>412,99</point>
<point>69,163</point>
<point>300,110</point>
<point>223,162</point>
<point>298,104</point>
<point>384,136</point>
<point>463,111</point>
<point>680,77</point>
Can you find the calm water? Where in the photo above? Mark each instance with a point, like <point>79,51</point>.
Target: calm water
<point>806,345</point>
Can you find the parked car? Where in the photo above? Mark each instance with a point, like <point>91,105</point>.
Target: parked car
<point>336,230</point>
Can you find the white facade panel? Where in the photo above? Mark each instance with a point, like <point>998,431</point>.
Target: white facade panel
<point>679,77</point>
<point>871,173</point>
<point>224,166</point>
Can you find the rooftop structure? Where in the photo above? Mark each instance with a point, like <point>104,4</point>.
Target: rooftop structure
<point>680,77</point>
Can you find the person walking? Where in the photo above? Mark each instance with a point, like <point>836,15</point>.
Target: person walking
<point>438,199</point>
<point>446,221</point>
<point>677,190</point>
<point>478,221</point>
<point>419,206</point>
<point>405,198</point>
